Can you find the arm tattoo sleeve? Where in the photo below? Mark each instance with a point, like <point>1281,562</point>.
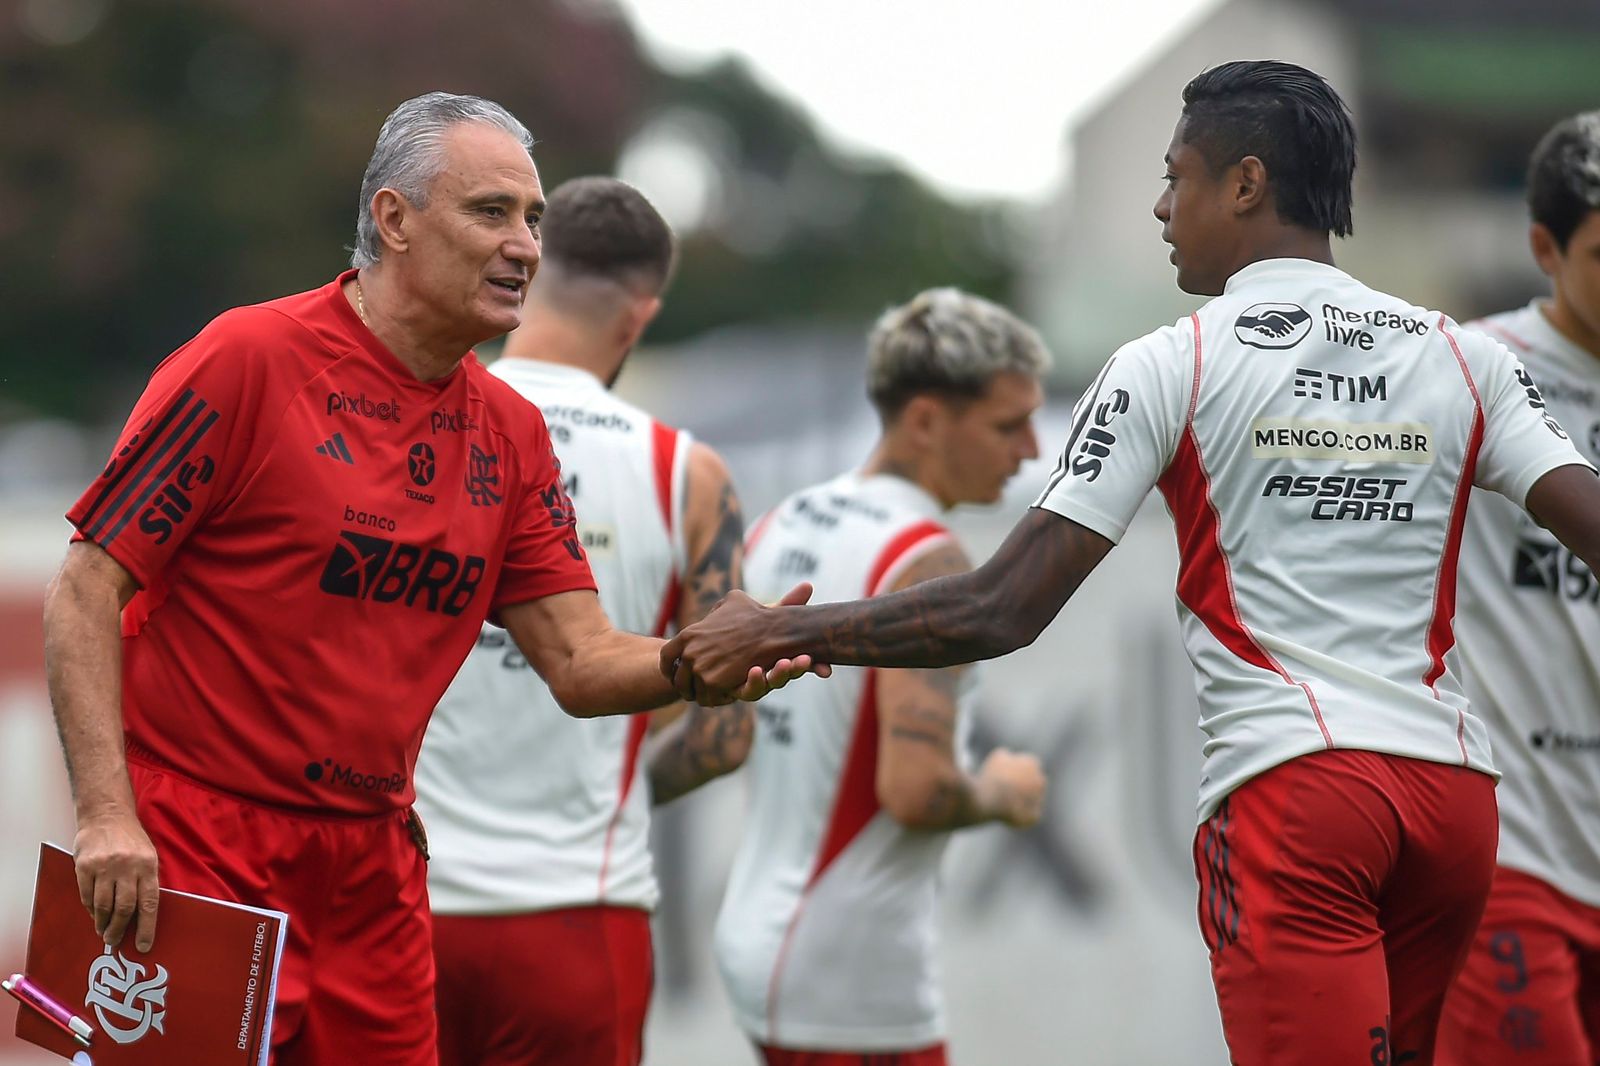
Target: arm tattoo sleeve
<point>711,741</point>
<point>997,608</point>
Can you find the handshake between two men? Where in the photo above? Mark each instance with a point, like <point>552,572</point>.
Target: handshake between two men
<point>723,656</point>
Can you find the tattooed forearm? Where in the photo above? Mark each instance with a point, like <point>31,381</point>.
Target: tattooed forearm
<point>953,803</point>
<point>997,608</point>
<point>713,572</point>
<point>709,742</point>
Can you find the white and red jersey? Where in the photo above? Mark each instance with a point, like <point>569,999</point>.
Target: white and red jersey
<point>826,935</point>
<point>1529,627</point>
<point>1316,442</point>
<point>526,807</point>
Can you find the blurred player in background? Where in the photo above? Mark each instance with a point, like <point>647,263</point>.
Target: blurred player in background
<point>1530,647</point>
<point>312,509</point>
<point>541,881</point>
<point>1316,442</point>
<point>826,938</point>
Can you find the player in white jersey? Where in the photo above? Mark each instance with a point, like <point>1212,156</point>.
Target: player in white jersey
<point>541,881</point>
<point>826,935</point>
<point>1316,442</point>
<point>1530,651</point>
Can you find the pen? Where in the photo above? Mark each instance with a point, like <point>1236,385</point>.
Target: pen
<point>30,994</point>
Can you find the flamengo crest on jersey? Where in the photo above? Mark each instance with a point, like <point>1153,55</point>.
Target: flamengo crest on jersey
<point>1315,441</point>
<point>826,935</point>
<point>528,808</point>
<point>1528,621</point>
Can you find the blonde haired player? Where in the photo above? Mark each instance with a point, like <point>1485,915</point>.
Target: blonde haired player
<point>826,935</point>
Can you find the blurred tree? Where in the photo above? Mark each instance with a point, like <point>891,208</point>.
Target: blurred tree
<point>166,159</point>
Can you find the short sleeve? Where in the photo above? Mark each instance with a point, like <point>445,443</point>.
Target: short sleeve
<point>543,556</point>
<point>177,457</point>
<point>1522,441</point>
<point>1125,430</point>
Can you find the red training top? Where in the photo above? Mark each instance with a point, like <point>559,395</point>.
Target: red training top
<point>318,537</point>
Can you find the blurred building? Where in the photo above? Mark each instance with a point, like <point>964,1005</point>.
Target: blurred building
<point>1449,97</point>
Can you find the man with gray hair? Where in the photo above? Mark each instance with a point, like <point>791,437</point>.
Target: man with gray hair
<point>313,508</point>
<point>826,936</point>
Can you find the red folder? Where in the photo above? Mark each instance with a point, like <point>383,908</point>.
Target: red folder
<point>202,995</point>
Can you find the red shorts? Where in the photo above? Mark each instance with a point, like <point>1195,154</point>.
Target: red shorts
<point>567,987</point>
<point>1530,992</point>
<point>356,983</point>
<point>1339,893</point>
<point>928,1056</point>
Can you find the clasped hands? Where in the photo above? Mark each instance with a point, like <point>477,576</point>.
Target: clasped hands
<point>710,662</point>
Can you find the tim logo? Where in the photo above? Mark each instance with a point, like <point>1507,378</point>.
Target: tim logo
<point>386,571</point>
<point>457,421</point>
<point>1273,326</point>
<point>1317,384</point>
<point>126,1003</point>
<point>483,478</point>
<point>175,500</point>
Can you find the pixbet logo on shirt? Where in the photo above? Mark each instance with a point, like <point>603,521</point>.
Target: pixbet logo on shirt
<point>457,421</point>
<point>380,570</point>
<point>359,405</point>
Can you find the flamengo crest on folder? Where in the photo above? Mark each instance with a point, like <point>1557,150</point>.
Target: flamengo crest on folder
<point>204,993</point>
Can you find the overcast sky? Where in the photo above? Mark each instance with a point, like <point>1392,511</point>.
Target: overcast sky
<point>974,96</point>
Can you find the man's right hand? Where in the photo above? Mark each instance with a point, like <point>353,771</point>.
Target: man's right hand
<point>720,658</point>
<point>1016,783</point>
<point>116,867</point>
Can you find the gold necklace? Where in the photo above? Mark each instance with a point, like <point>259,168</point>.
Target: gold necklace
<point>361,306</point>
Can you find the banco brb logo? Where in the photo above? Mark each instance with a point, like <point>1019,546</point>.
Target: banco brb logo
<point>126,1003</point>
<point>1272,325</point>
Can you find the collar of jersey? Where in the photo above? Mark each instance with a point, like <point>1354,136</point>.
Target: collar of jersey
<point>362,334</point>
<point>1545,336</point>
<point>1267,269</point>
<point>526,369</point>
<point>899,491</point>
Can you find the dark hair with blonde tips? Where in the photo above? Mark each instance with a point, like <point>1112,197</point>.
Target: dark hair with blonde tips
<point>949,343</point>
